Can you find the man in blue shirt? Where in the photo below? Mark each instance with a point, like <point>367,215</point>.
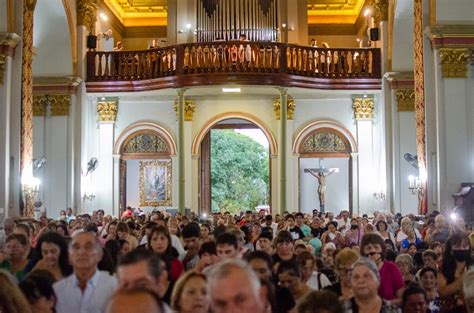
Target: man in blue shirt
<point>87,289</point>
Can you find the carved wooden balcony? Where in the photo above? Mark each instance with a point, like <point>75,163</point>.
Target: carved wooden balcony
<point>233,63</point>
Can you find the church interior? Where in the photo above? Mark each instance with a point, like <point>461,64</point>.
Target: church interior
<point>365,105</point>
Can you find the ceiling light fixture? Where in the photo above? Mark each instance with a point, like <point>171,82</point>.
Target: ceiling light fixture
<point>103,16</point>
<point>231,90</point>
<point>366,12</point>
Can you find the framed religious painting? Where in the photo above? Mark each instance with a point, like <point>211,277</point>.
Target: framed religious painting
<point>155,183</point>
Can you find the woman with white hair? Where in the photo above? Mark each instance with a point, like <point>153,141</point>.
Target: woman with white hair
<point>406,224</point>
<point>365,282</point>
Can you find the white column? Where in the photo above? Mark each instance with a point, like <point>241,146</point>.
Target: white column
<point>364,113</point>
<point>11,41</point>
<point>355,183</point>
<point>105,169</point>
<point>116,185</point>
<point>188,141</point>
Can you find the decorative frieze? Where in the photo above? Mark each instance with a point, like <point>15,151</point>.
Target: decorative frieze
<point>454,62</point>
<point>107,110</point>
<point>405,100</point>
<point>58,104</point>
<point>290,107</point>
<point>189,108</point>
<point>87,14</point>
<point>364,108</point>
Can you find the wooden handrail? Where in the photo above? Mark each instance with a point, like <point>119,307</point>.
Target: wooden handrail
<point>274,61</point>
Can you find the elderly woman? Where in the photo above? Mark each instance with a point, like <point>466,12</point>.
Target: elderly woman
<point>405,264</point>
<point>406,224</point>
<point>365,281</point>
<point>16,262</point>
<point>190,294</point>
<point>344,263</point>
<point>441,230</point>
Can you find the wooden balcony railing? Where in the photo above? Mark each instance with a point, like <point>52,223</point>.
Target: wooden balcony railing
<point>217,63</point>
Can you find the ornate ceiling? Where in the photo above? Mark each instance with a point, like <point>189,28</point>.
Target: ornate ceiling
<point>139,12</point>
<point>334,11</point>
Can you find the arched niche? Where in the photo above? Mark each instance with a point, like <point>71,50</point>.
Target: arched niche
<point>147,147</point>
<point>329,143</point>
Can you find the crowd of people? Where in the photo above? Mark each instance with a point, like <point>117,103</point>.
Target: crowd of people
<point>248,262</point>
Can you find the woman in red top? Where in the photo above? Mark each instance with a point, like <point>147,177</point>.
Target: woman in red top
<point>160,242</point>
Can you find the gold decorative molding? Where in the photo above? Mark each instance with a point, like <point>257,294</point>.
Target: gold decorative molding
<point>405,100</point>
<point>189,108</point>
<point>2,66</point>
<point>107,110</point>
<point>59,104</point>
<point>87,14</point>
<point>451,35</point>
<point>380,11</point>
<point>454,62</point>
<point>364,108</point>
<point>400,80</point>
<point>290,108</point>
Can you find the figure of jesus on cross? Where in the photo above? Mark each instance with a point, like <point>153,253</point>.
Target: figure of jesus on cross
<point>321,173</point>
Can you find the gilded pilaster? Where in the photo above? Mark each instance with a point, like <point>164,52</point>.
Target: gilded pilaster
<point>26,147</point>
<point>405,100</point>
<point>87,14</point>
<point>107,111</point>
<point>420,96</point>
<point>189,108</point>
<point>364,108</point>
<point>59,104</point>
<point>290,107</point>
<point>454,62</point>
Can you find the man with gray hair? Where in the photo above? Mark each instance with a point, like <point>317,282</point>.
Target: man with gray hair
<point>468,289</point>
<point>234,287</point>
<point>87,289</point>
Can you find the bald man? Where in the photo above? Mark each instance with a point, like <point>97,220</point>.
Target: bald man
<point>141,300</point>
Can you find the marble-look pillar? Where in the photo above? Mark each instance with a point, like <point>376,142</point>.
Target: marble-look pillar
<point>107,111</point>
<point>181,154</point>
<point>283,149</point>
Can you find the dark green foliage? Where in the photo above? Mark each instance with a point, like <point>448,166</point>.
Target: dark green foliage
<point>239,172</point>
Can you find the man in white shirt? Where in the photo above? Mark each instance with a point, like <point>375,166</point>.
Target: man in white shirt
<point>344,222</point>
<point>269,223</point>
<point>87,289</point>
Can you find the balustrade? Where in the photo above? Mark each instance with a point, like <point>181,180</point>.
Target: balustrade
<point>257,58</point>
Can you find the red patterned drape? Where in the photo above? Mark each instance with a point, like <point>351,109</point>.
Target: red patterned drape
<point>420,99</point>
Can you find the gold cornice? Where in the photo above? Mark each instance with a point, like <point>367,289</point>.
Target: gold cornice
<point>59,104</point>
<point>107,110</point>
<point>405,100</point>
<point>364,108</point>
<point>189,108</point>
<point>400,80</point>
<point>454,62</point>
<point>451,35</point>
<point>290,108</point>
<point>87,14</point>
<point>2,66</point>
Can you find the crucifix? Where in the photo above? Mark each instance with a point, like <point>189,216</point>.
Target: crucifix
<point>321,173</point>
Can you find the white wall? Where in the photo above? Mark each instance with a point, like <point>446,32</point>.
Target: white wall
<point>337,192</point>
<point>454,11</point>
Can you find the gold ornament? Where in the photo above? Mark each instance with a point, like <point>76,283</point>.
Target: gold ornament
<point>189,108</point>
<point>405,100</point>
<point>107,110</point>
<point>454,62</point>
<point>87,14</point>
<point>290,108</point>
<point>59,104</point>
<point>363,108</point>
<point>380,11</point>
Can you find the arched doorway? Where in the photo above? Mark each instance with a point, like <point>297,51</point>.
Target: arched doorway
<point>145,168</point>
<point>329,147</point>
<point>206,150</point>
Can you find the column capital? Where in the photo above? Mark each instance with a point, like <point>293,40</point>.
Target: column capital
<point>107,110</point>
<point>189,108</point>
<point>8,42</point>
<point>380,11</point>
<point>282,90</point>
<point>180,91</point>
<point>290,105</point>
<point>454,62</point>
<point>87,14</point>
<point>363,108</point>
<point>405,100</point>
<point>354,155</point>
<point>59,104</point>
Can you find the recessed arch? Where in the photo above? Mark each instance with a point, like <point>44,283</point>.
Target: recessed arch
<point>323,124</point>
<point>195,148</point>
<point>145,126</point>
